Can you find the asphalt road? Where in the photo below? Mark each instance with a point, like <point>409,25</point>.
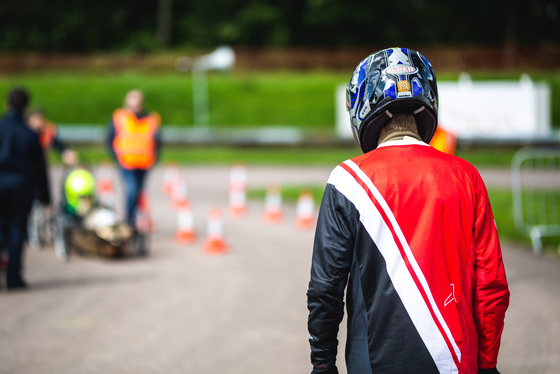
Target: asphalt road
<point>181,311</point>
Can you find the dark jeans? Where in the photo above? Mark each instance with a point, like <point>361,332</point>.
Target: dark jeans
<point>14,210</point>
<point>133,186</point>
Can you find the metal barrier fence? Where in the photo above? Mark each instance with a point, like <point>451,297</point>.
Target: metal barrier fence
<point>536,194</point>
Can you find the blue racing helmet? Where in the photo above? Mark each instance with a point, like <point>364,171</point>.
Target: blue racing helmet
<point>394,80</point>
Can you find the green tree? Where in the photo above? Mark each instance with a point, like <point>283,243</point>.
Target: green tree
<point>144,25</point>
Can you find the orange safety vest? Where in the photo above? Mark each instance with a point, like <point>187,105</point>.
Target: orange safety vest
<point>134,142</point>
<point>47,135</point>
<point>444,140</point>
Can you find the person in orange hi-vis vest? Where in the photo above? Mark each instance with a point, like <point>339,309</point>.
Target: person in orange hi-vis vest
<point>134,142</point>
<point>48,136</point>
<point>444,140</point>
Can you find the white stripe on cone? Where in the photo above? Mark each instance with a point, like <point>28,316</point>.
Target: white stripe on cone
<point>180,192</point>
<point>105,186</point>
<point>237,200</point>
<point>305,210</point>
<point>215,243</point>
<point>185,224</point>
<point>237,191</point>
<point>171,176</point>
<point>273,205</point>
<point>238,175</point>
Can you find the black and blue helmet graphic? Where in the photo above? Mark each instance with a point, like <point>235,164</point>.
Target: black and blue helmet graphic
<point>394,80</point>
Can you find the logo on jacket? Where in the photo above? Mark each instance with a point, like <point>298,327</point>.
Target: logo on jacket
<point>451,297</point>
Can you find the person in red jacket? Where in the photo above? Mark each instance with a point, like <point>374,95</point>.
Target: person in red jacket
<point>408,232</point>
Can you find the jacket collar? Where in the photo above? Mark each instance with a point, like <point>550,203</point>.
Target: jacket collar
<point>400,137</point>
<point>12,113</point>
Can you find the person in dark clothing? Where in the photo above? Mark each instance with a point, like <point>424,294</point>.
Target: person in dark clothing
<point>23,176</point>
<point>134,142</point>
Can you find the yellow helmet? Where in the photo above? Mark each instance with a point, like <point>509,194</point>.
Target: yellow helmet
<point>79,189</point>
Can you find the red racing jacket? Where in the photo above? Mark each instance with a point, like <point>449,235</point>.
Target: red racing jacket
<point>408,232</point>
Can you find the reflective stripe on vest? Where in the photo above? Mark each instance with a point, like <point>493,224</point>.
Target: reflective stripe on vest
<point>134,142</point>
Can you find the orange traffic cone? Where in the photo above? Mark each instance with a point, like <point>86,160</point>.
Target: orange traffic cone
<point>105,186</point>
<point>237,200</point>
<point>185,224</point>
<point>170,177</point>
<point>180,193</point>
<point>215,243</point>
<point>144,220</point>
<point>273,205</point>
<point>237,191</point>
<point>104,176</point>
<point>238,175</point>
<point>305,211</point>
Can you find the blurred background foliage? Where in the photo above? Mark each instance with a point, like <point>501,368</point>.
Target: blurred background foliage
<point>149,25</point>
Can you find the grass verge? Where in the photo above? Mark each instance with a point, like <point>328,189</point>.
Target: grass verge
<point>237,99</point>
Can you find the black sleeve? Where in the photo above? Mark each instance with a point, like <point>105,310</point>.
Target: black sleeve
<point>332,257</point>
<point>157,140</point>
<point>40,173</point>
<point>110,139</point>
<point>58,144</point>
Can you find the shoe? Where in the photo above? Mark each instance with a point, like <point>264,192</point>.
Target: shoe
<point>17,286</point>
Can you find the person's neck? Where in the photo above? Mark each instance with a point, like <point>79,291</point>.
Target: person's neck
<point>138,114</point>
<point>398,135</point>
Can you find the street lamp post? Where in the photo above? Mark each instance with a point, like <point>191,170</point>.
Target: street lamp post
<point>201,114</point>
<point>222,58</point>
